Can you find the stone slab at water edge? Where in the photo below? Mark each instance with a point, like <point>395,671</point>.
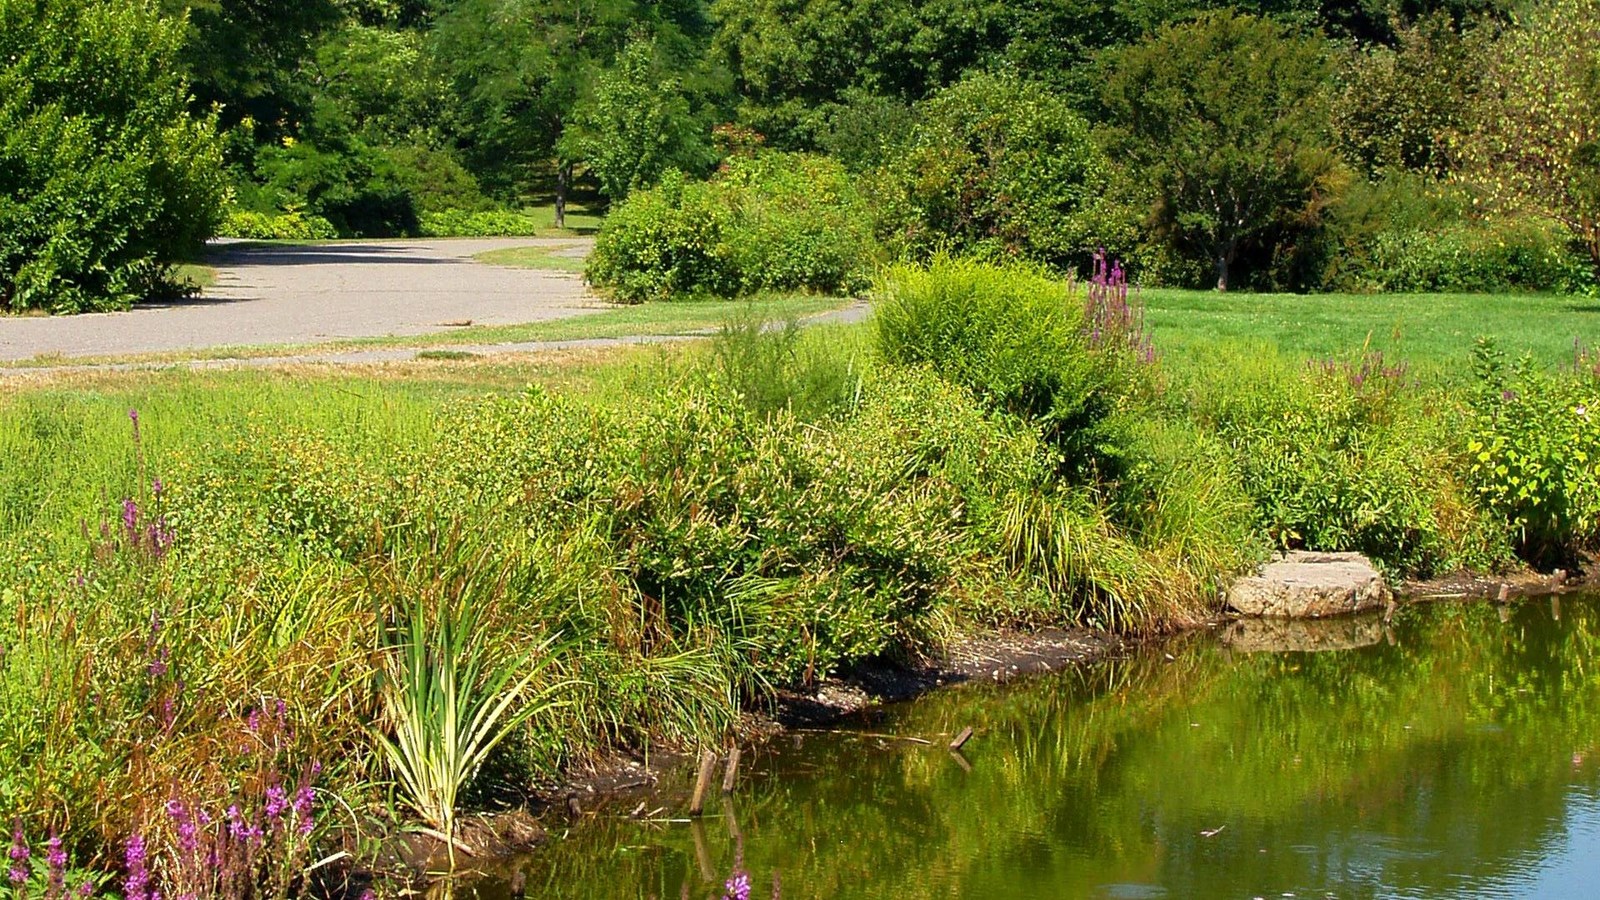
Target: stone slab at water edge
<point>1302,585</point>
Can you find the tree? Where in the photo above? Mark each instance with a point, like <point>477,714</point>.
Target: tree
<point>1534,144</point>
<point>999,165</point>
<point>792,58</point>
<point>1223,117</point>
<point>104,176</point>
<point>1395,107</point>
<point>638,123</point>
<point>519,68</point>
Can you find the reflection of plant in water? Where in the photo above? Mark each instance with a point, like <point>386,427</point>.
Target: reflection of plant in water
<point>1110,774</point>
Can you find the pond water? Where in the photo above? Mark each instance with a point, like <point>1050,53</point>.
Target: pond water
<point>1455,755</point>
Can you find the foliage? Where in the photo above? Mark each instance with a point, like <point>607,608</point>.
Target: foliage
<point>450,695</point>
<point>104,177</point>
<point>1534,453</point>
<point>638,124</point>
<point>1408,233</point>
<point>997,166</point>
<point>1533,144</point>
<point>1013,336</point>
<point>290,226</point>
<point>773,221</point>
<point>351,185</point>
<point>1396,108</point>
<point>493,223</point>
<point>1223,116</point>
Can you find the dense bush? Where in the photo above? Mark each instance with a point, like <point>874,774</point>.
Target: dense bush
<point>488,223</point>
<point>1408,233</point>
<point>1534,453</point>
<point>290,226</point>
<point>353,186</point>
<point>1346,455</point>
<point>105,178</point>
<point>771,221</point>
<point>999,167</point>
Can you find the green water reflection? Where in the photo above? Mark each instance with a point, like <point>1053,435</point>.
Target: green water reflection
<point>1458,756</point>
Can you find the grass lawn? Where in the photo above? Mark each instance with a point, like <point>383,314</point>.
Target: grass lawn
<point>1430,330</point>
<point>582,218</point>
<point>557,259</point>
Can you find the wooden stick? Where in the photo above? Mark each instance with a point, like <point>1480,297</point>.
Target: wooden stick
<point>708,767</point>
<point>730,777</point>
<point>961,760</point>
<point>962,738</point>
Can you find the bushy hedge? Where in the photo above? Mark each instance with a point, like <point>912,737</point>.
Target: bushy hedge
<point>772,221</point>
<point>482,223</point>
<point>290,226</point>
<point>105,178</point>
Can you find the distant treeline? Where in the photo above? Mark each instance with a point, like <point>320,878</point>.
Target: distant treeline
<point>1373,145</point>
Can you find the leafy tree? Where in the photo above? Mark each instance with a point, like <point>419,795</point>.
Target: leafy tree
<point>791,58</point>
<point>1534,144</point>
<point>104,176</point>
<point>519,67</point>
<point>998,165</point>
<point>1396,106</point>
<point>1223,115</point>
<point>638,123</point>
<point>245,56</point>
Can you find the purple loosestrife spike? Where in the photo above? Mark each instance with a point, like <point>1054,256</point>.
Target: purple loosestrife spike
<point>277,802</point>
<point>56,859</point>
<point>86,890</point>
<point>130,520</point>
<point>156,487</point>
<point>737,887</point>
<point>137,884</point>
<point>133,414</point>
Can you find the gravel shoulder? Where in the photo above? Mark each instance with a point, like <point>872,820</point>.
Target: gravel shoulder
<point>301,294</point>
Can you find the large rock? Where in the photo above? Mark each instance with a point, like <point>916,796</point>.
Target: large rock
<point>1303,585</point>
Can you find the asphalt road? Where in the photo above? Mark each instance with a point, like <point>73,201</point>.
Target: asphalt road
<point>282,294</point>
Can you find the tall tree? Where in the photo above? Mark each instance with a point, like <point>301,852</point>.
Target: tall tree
<point>1224,116</point>
<point>520,67</point>
<point>1534,143</point>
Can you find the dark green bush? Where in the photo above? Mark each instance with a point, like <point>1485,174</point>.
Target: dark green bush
<point>772,221</point>
<point>354,187</point>
<point>105,178</point>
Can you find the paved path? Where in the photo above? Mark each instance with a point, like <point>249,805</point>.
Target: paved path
<point>303,295</point>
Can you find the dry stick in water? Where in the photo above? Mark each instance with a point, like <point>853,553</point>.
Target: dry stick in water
<point>730,777</point>
<point>962,738</point>
<point>708,766</point>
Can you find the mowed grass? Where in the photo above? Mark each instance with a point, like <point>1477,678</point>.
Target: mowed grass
<point>556,259</point>
<point>1428,330</point>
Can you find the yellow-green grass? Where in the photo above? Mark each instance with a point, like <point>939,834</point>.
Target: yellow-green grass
<point>558,259</point>
<point>1431,331</point>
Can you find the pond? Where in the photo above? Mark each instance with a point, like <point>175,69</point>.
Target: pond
<point>1455,754</point>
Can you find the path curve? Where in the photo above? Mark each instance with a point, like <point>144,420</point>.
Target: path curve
<point>283,294</point>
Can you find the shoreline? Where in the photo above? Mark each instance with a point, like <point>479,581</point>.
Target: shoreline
<point>661,779</point>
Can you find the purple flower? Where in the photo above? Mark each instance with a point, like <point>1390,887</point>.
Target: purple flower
<point>137,884</point>
<point>737,886</point>
<point>18,875</point>
<point>156,487</point>
<point>277,801</point>
<point>20,870</point>
<point>188,839</point>
<point>57,860</point>
<point>133,415</point>
<point>130,520</point>
<point>158,664</point>
<point>86,890</point>
<point>303,801</point>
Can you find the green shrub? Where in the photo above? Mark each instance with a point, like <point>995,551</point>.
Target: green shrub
<point>1405,233</point>
<point>1534,454</point>
<point>289,226</point>
<point>352,185</point>
<point>772,221</point>
<point>1012,335</point>
<point>999,167</point>
<point>105,178</point>
<point>488,223</point>
<point>1347,455</point>
<point>773,367</point>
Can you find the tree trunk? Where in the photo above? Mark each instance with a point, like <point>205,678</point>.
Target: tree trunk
<point>563,182</point>
<point>1222,273</point>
